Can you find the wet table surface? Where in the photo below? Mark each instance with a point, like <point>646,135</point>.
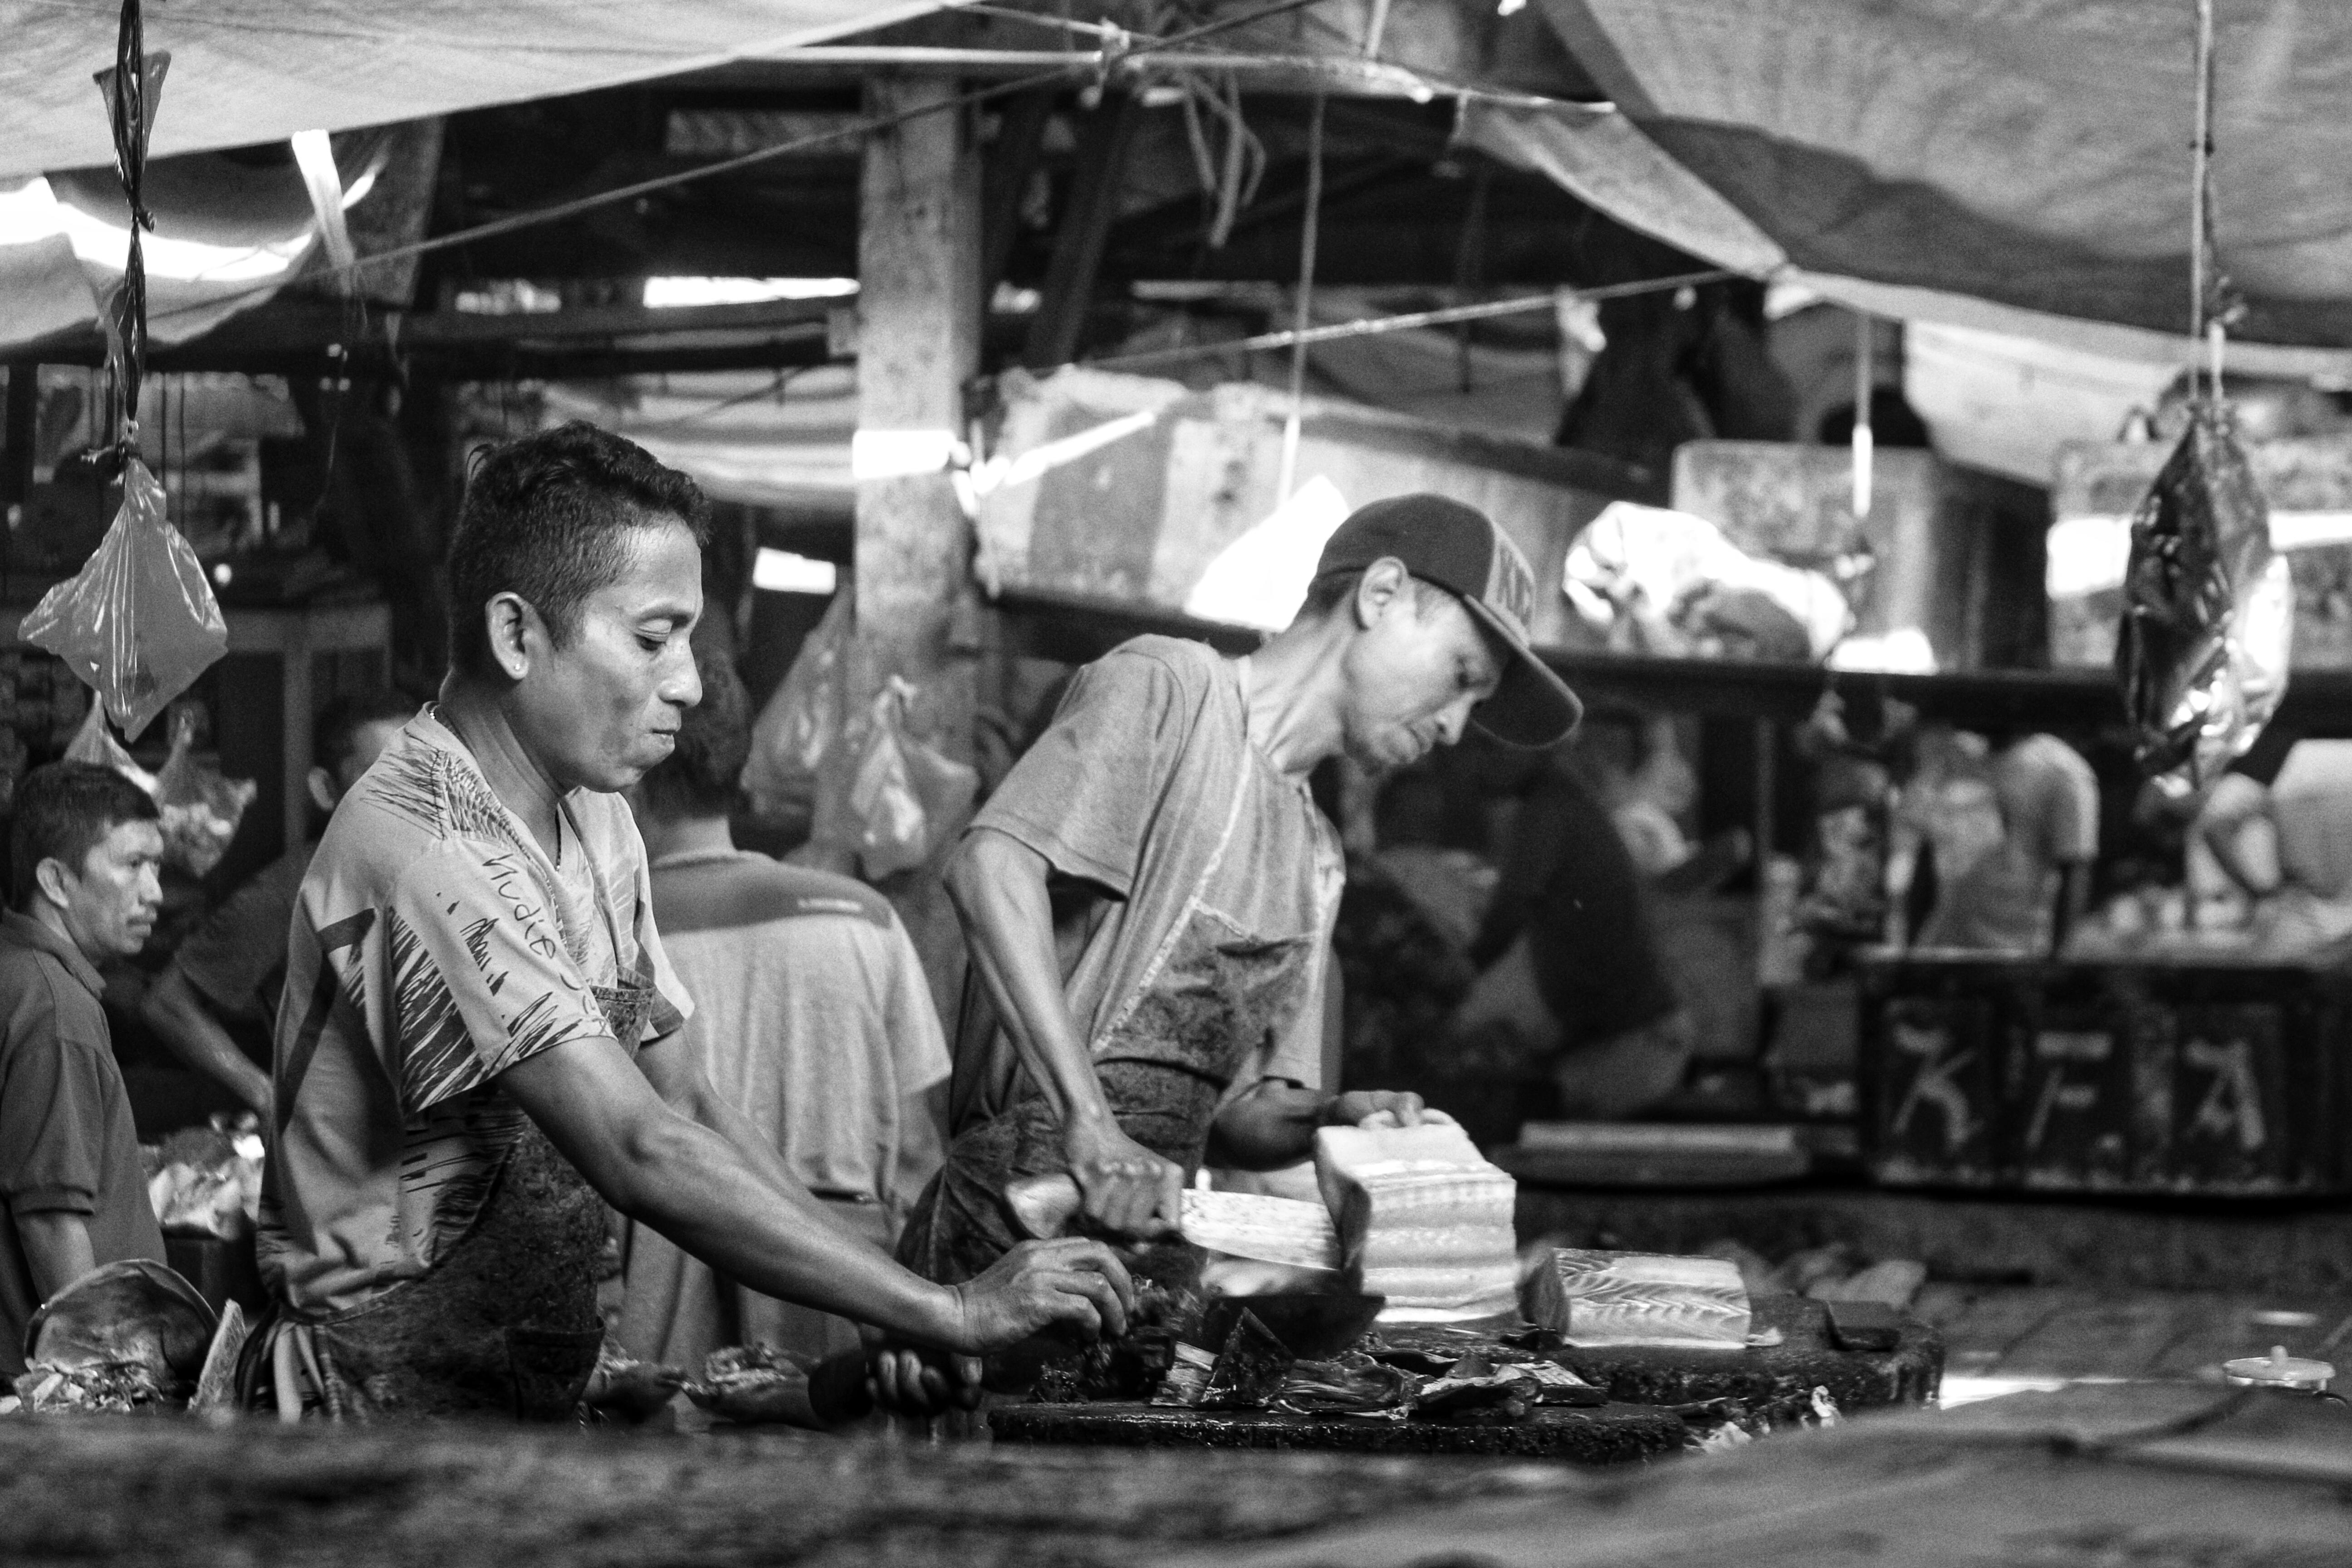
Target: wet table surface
<point>2089,1478</point>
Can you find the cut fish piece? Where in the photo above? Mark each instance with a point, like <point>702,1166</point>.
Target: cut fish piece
<point>1424,1219</point>
<point>1639,1299</point>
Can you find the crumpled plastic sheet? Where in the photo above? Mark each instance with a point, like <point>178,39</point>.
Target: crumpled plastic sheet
<point>138,621</point>
<point>2209,612</point>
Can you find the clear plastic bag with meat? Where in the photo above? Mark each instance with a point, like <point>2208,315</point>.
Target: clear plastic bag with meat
<point>2208,611</point>
<point>138,621</point>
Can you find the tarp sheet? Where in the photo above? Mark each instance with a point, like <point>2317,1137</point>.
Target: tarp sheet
<point>248,71</point>
<point>2010,165</point>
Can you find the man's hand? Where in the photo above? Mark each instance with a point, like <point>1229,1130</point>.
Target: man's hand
<point>1396,1107</point>
<point>1127,1189</point>
<point>909,1381</point>
<point>1042,1285</point>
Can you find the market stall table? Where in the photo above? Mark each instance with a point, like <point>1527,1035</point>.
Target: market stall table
<point>1600,1435</point>
<point>2077,1480</point>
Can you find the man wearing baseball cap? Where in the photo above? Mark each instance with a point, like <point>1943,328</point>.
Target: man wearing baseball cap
<point>1149,896</point>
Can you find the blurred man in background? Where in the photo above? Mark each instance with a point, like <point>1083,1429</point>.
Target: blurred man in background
<point>229,969</point>
<point>84,850</point>
<point>812,1016</point>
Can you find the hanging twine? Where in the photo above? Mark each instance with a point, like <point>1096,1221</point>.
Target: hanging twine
<point>2205,317</point>
<point>1306,239</point>
<point>132,89</point>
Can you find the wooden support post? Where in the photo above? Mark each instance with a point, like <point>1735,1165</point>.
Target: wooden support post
<point>1069,290</point>
<point>919,343</point>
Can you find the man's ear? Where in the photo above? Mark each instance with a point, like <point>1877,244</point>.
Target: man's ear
<point>1384,581</point>
<point>323,793</point>
<point>49,877</point>
<point>509,620</point>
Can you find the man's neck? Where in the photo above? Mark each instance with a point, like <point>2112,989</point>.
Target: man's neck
<point>51,918</point>
<point>477,717</point>
<point>1293,691</point>
<point>685,835</point>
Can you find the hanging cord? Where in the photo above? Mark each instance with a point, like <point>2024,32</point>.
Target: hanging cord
<point>1378,326</point>
<point>1230,179</point>
<point>2205,319</point>
<point>132,89</point>
<point>1307,235</point>
<point>1866,381</point>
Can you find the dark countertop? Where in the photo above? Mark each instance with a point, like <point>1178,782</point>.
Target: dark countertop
<point>2086,1479</point>
<point>174,1492</point>
<point>1763,1379</point>
<point>1602,1435</point>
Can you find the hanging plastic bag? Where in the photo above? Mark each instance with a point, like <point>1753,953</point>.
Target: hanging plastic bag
<point>2208,611</point>
<point>138,623</point>
<point>95,743</point>
<point>201,808</point>
<point>906,796</point>
<point>803,720</point>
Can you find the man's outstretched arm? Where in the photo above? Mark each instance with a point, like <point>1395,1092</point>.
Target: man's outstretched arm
<point>998,886</point>
<point>695,1187</point>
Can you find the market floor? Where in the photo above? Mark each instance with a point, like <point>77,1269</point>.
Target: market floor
<point>1997,1337</point>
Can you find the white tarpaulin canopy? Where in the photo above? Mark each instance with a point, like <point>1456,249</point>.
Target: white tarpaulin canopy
<point>248,71</point>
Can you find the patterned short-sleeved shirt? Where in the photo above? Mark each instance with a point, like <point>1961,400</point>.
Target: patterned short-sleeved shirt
<point>432,947</point>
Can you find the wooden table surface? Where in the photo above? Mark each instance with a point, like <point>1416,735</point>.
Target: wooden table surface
<point>2141,1477</point>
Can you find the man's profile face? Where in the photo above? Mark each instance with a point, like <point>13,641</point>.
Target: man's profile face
<point>605,707</point>
<point>111,902</point>
<point>1418,667</point>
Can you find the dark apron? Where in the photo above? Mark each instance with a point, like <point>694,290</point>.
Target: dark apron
<point>1165,1059</point>
<point>506,1322</point>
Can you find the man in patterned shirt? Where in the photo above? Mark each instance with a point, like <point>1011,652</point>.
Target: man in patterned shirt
<point>480,1041</point>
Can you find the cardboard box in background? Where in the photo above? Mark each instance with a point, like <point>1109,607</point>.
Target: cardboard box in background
<point>1146,481</point>
<point>1949,551</point>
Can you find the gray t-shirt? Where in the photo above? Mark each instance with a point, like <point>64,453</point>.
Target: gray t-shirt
<point>1195,884</point>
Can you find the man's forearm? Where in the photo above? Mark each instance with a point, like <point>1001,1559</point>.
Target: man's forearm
<point>721,1116</point>
<point>998,887</point>
<point>1272,1125</point>
<point>56,1249</point>
<point>704,1191</point>
<point>696,1188</point>
<point>188,1027</point>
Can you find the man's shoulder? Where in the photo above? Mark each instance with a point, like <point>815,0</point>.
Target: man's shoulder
<point>1192,665</point>
<point>43,1001</point>
<point>417,788</point>
<point>752,889</point>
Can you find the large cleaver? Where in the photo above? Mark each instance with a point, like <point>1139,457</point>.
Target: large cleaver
<point>1286,1231</point>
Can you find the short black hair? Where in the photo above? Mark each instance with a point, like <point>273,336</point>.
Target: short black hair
<point>63,812</point>
<point>549,516</point>
<point>337,728</point>
<point>1332,589</point>
<point>701,776</point>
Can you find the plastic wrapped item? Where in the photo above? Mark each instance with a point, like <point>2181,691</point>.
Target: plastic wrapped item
<point>2208,611</point>
<point>95,743</point>
<point>201,808</point>
<point>206,1181</point>
<point>905,796</point>
<point>803,720</point>
<point>138,623</point>
<point>1657,581</point>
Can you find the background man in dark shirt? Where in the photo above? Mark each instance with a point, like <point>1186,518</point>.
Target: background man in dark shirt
<point>83,853</point>
<point>229,969</point>
<point>1568,956</point>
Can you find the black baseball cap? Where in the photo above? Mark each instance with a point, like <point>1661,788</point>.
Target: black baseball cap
<point>1461,550</point>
